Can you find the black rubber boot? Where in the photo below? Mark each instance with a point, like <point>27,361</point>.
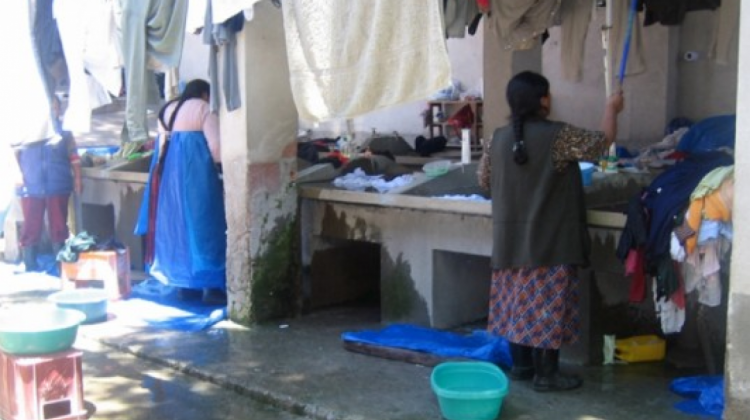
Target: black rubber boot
<point>184,294</point>
<point>548,377</point>
<point>29,258</point>
<point>523,364</point>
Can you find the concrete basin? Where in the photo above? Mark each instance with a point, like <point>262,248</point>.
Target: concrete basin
<point>140,165</point>
<point>460,180</point>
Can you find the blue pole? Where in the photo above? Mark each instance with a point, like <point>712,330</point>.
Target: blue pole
<point>628,37</point>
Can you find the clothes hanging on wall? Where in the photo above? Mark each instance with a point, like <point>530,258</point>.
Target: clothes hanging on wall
<point>347,58</point>
<point>223,35</point>
<point>672,12</point>
<point>575,16</point>
<point>153,32</point>
<point>635,61</point>
<point>458,14</point>
<point>520,23</point>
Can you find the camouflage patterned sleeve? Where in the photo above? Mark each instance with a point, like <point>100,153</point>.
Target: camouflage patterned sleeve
<point>574,144</point>
<point>485,168</point>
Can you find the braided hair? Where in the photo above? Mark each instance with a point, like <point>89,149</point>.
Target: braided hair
<point>524,94</point>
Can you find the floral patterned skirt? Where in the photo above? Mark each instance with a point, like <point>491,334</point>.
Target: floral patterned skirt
<point>536,307</point>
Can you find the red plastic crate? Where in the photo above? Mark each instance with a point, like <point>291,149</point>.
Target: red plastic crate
<point>48,387</point>
<point>111,269</point>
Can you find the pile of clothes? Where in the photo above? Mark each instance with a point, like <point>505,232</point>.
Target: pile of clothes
<point>678,232</point>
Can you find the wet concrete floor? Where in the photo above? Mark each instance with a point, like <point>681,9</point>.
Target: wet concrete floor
<point>297,367</point>
<point>118,385</point>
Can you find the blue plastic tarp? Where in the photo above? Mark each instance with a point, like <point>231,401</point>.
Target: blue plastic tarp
<point>156,305</point>
<point>479,345</point>
<point>190,241</point>
<point>705,395</point>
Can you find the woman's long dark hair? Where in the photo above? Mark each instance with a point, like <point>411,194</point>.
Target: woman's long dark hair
<point>524,94</point>
<point>194,89</point>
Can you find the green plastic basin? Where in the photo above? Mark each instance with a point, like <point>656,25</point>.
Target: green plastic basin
<point>469,390</point>
<point>35,330</point>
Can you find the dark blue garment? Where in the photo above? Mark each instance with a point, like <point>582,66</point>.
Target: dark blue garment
<point>190,234</point>
<point>46,167</point>
<point>709,134</point>
<point>669,194</point>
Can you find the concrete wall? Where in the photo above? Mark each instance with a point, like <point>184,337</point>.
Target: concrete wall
<point>466,61</point>
<point>648,96</point>
<point>737,391</point>
<point>705,88</point>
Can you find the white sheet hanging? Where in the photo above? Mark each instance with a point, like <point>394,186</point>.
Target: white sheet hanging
<point>348,58</point>
<point>25,108</point>
<point>92,53</point>
<point>224,9</point>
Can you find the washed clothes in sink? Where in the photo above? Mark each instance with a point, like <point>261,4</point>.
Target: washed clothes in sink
<point>359,181</point>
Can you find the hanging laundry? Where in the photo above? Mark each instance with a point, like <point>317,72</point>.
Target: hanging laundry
<point>48,45</point>
<point>22,79</point>
<point>575,16</point>
<point>223,10</point>
<point>484,6</point>
<point>223,35</point>
<point>726,31</point>
<point>196,16</point>
<point>520,23</point>
<point>635,62</point>
<point>672,12</point>
<point>153,32</point>
<point>347,58</point>
<point>93,56</point>
<point>458,15</point>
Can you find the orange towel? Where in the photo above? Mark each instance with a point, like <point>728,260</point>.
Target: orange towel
<point>715,206</point>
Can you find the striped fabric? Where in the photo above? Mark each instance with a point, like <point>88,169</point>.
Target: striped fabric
<point>536,307</point>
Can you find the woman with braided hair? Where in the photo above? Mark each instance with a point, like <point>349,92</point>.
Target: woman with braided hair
<point>539,228</point>
<point>186,229</point>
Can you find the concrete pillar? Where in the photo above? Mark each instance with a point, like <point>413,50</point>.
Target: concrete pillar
<point>737,386</point>
<point>259,159</point>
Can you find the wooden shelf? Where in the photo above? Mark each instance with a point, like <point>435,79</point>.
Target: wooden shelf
<point>440,112</point>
